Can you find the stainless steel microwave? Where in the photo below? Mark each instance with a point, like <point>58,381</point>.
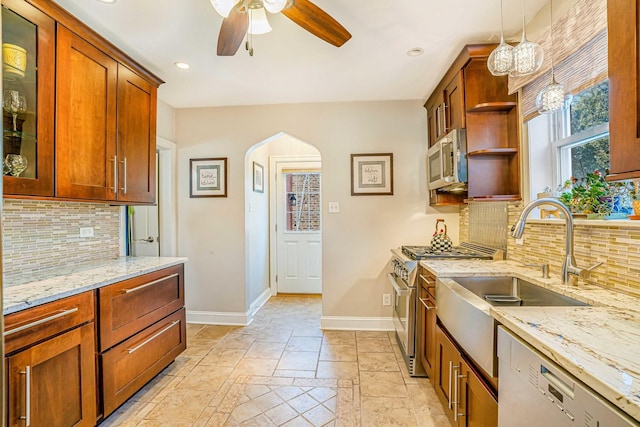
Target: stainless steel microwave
<point>447,162</point>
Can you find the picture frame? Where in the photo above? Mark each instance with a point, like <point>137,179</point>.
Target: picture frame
<point>208,177</point>
<point>372,174</point>
<point>258,178</point>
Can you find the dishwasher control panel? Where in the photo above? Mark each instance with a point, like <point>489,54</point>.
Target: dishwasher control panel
<point>534,391</point>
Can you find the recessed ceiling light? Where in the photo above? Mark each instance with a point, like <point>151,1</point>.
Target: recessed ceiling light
<point>108,1</point>
<point>182,65</point>
<point>416,51</point>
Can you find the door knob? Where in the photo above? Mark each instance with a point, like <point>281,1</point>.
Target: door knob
<point>149,240</point>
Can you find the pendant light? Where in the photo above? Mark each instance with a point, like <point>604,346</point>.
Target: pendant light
<point>527,56</point>
<point>552,97</point>
<point>501,59</point>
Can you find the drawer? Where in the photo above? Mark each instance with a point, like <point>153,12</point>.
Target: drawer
<point>28,327</point>
<point>427,280</point>
<point>131,364</point>
<point>128,307</point>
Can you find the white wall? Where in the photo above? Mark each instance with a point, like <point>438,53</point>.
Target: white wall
<point>166,121</point>
<point>356,241</point>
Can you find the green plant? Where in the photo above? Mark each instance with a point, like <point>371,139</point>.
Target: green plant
<point>592,194</point>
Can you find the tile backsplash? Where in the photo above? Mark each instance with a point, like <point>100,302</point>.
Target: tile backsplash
<point>40,235</point>
<point>616,243</point>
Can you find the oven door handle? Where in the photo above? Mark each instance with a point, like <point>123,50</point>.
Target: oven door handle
<point>396,287</point>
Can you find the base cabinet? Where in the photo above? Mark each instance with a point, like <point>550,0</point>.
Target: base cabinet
<point>426,331</point>
<point>50,364</point>
<point>467,400</point>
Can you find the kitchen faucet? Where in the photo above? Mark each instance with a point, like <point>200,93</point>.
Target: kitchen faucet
<point>569,266</point>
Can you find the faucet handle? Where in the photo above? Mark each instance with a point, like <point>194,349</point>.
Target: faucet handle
<point>544,268</point>
<point>584,273</point>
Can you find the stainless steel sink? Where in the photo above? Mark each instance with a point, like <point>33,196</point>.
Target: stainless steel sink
<point>464,305</point>
<point>514,291</point>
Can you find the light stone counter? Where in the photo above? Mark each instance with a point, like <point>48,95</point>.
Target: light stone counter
<point>600,345</point>
<point>62,282</point>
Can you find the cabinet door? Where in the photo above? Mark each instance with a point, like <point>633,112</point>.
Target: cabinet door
<point>454,103</point>
<point>624,87</point>
<point>447,366</point>
<point>432,126</point>
<point>28,37</point>
<point>86,85</point>
<point>478,406</point>
<point>136,138</point>
<point>426,329</point>
<point>53,384</point>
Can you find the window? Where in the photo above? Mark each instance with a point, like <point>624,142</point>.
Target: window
<point>302,190</point>
<point>570,143</point>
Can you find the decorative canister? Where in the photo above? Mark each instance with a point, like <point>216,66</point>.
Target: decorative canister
<point>14,59</point>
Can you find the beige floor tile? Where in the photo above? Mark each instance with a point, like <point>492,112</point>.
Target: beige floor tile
<point>241,341</point>
<point>259,421</point>
<point>303,403</point>
<point>265,350</point>
<point>275,335</point>
<point>297,422</point>
<point>281,414</point>
<point>304,343</point>
<point>213,332</point>
<point>342,370</point>
<point>217,419</point>
<point>129,414</point>
<point>386,411</point>
<point>380,362</point>
<point>308,331</point>
<point>206,378</point>
<point>185,406</point>
<point>198,347</point>
<point>339,338</point>
<point>374,345</point>
<point>182,365</point>
<point>372,334</point>
<point>228,357</point>
<point>156,389</point>
<point>244,412</point>
<point>339,352</point>
<point>299,360</point>
<point>382,384</point>
<point>254,367</point>
<point>294,374</point>
<point>319,416</point>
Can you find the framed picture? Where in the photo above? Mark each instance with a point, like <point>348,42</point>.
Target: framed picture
<point>208,177</point>
<point>258,178</point>
<point>372,174</point>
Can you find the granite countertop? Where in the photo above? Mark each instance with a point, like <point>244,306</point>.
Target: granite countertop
<point>598,344</point>
<point>65,281</point>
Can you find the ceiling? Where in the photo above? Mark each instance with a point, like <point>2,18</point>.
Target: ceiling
<point>291,65</point>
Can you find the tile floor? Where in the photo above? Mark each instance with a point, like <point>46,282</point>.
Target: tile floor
<point>283,370</point>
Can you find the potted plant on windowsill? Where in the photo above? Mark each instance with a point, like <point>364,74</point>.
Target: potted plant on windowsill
<point>592,197</point>
<point>634,194</point>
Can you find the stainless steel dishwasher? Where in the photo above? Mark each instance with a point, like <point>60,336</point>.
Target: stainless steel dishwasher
<point>534,391</point>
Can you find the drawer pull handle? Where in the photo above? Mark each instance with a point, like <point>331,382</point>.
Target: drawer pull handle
<point>424,302</point>
<point>27,398</point>
<point>115,174</point>
<point>137,288</point>
<point>425,279</point>
<point>124,176</point>
<point>153,337</point>
<point>39,322</point>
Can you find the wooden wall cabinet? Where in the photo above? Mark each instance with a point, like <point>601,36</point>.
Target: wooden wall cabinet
<point>50,364</point>
<point>624,88</point>
<point>142,330</point>
<point>467,400</point>
<point>104,119</point>
<point>478,101</point>
<point>426,327</point>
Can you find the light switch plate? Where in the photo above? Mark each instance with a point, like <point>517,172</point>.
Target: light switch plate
<point>86,231</point>
<point>334,207</point>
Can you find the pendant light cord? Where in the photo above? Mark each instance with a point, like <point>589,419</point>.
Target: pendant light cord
<point>551,30</point>
<point>501,22</point>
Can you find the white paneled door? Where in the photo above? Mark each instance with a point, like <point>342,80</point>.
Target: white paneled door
<point>145,234</point>
<point>299,228</point>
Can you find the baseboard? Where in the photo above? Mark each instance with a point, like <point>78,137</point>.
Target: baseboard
<point>357,323</point>
<point>217,318</point>
<point>229,318</point>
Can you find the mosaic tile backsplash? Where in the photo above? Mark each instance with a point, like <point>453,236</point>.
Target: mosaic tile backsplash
<point>614,243</point>
<point>39,235</point>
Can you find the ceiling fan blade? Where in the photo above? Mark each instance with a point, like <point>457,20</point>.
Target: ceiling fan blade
<point>232,32</point>
<point>317,22</point>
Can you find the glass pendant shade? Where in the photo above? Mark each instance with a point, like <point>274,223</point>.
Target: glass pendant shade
<point>527,57</point>
<point>223,7</point>
<point>259,23</point>
<point>274,6</point>
<point>501,59</point>
<point>552,98</point>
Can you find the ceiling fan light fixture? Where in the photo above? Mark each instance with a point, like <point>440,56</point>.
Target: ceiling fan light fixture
<point>275,6</point>
<point>258,23</point>
<point>223,7</point>
<point>416,51</point>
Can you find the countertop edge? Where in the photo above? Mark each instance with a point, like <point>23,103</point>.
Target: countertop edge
<point>49,290</point>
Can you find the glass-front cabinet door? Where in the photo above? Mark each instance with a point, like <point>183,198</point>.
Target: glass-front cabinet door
<point>28,59</point>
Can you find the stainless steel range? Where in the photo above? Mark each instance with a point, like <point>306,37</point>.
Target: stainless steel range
<point>405,296</point>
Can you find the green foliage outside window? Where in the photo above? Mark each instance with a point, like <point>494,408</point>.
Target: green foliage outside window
<point>588,109</point>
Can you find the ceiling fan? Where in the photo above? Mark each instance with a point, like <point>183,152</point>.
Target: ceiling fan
<point>239,18</point>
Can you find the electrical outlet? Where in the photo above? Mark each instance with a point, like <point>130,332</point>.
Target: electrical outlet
<point>86,231</point>
<point>520,241</point>
<point>334,207</point>
<point>386,299</point>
